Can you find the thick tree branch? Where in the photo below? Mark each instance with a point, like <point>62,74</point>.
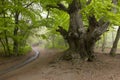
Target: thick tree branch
<point>93,24</point>
<point>92,21</point>
<point>63,32</point>
<point>62,7</point>
<point>100,30</point>
<point>101,21</point>
<point>59,6</point>
<point>74,6</point>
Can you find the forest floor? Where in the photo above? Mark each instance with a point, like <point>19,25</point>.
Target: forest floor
<point>104,67</point>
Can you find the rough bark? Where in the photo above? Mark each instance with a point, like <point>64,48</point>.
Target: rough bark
<point>81,41</point>
<point>114,47</point>
<point>15,43</point>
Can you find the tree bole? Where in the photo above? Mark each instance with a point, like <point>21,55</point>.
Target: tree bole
<point>81,40</point>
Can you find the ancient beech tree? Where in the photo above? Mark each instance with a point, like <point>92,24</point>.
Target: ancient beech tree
<point>80,39</point>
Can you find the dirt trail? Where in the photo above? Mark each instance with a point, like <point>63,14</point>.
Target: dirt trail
<point>32,68</point>
<point>20,64</point>
<point>104,68</point>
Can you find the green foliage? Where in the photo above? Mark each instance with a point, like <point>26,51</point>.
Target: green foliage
<point>27,20</point>
<point>60,19</point>
<point>56,41</point>
<point>22,51</point>
<point>1,51</point>
<point>33,14</point>
<point>25,50</point>
<point>100,8</point>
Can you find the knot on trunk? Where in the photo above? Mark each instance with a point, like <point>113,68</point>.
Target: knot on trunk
<point>73,34</point>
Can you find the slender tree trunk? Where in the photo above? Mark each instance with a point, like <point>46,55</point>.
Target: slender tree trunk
<point>53,41</point>
<point>115,42</point>
<point>104,42</point>
<point>5,33</point>
<point>15,43</point>
<point>4,47</point>
<point>7,44</point>
<point>6,40</point>
<point>114,47</point>
<point>113,37</point>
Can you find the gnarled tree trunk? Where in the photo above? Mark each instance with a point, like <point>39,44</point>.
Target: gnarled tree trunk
<point>80,40</point>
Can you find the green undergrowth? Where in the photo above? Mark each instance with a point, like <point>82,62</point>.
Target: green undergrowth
<point>25,50</point>
<point>22,51</point>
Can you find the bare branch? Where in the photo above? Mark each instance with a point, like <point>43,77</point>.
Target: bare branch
<point>29,4</point>
<point>48,13</point>
<point>59,6</point>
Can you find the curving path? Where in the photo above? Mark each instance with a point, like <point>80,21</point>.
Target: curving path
<point>104,68</point>
<point>19,65</point>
